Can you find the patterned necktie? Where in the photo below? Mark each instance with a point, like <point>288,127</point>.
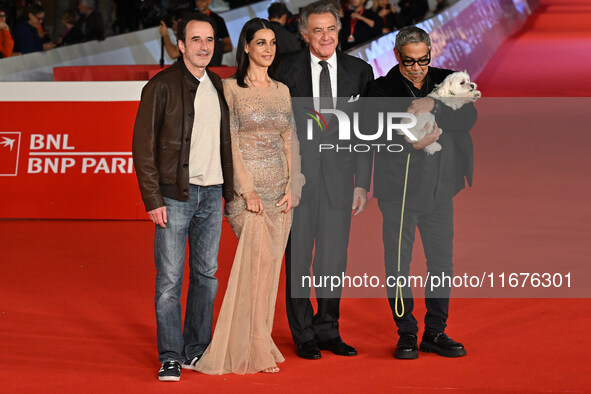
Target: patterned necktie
<point>325,89</point>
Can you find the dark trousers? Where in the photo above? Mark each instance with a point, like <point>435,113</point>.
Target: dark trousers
<point>436,228</point>
<point>320,228</point>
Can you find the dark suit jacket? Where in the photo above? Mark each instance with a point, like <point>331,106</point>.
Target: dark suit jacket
<point>340,171</point>
<point>425,178</point>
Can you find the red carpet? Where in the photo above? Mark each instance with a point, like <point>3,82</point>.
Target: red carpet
<point>76,315</point>
<point>550,57</point>
<point>76,297</point>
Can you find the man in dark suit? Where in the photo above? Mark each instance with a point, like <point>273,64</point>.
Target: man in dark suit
<point>433,180</point>
<point>335,181</point>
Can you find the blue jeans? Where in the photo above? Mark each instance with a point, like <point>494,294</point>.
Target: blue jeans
<point>201,219</point>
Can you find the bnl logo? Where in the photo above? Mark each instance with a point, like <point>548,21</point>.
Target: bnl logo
<point>10,142</point>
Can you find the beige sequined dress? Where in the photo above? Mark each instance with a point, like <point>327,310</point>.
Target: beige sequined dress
<point>263,143</point>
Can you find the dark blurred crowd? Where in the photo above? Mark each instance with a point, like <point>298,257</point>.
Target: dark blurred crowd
<point>360,22</point>
<point>22,25</point>
<point>23,28</point>
<point>23,22</point>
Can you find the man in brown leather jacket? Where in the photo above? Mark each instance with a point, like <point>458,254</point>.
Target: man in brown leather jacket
<point>182,156</point>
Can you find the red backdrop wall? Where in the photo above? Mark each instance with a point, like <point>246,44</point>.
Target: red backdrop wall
<point>68,160</point>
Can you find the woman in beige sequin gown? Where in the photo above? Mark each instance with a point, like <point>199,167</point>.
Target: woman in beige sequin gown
<point>269,181</point>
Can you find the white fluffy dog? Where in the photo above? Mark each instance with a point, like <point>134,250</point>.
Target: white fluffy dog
<point>455,91</point>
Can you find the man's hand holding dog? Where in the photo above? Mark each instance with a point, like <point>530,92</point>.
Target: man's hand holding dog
<point>421,105</point>
<point>429,138</point>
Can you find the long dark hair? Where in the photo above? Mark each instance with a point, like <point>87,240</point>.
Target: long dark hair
<point>246,36</point>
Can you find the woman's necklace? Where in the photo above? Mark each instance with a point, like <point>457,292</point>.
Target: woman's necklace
<point>252,82</point>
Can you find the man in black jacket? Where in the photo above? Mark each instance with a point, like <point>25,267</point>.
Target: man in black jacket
<point>335,181</point>
<point>182,156</point>
<point>433,180</point>
<point>286,40</point>
<point>223,41</point>
<point>91,21</point>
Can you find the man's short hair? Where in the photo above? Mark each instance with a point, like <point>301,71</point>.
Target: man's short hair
<point>88,3</point>
<point>277,10</point>
<point>318,7</point>
<point>412,35</point>
<point>197,17</point>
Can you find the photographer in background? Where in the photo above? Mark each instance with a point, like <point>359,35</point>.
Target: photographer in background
<point>172,22</point>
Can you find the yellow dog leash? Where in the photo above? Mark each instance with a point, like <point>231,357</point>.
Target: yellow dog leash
<point>398,289</point>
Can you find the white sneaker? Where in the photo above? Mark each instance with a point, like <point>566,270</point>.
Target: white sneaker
<point>191,363</point>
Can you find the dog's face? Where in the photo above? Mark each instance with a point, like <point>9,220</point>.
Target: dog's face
<point>457,89</point>
<point>457,84</point>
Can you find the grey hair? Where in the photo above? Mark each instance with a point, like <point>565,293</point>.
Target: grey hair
<point>88,3</point>
<point>318,7</point>
<point>412,35</point>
